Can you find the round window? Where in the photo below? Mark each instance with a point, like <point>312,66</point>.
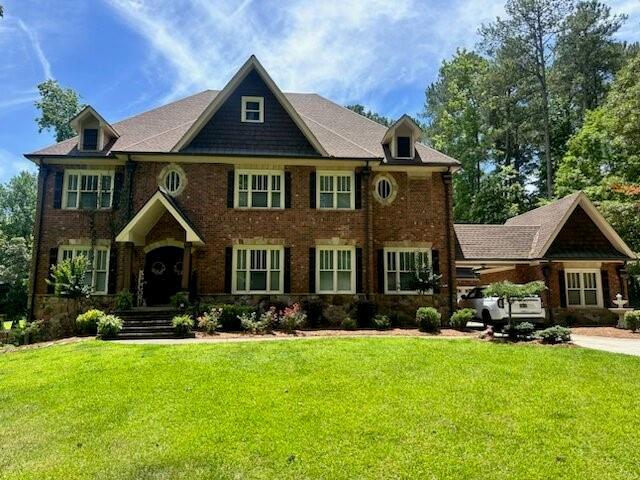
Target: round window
<point>172,181</point>
<point>384,188</point>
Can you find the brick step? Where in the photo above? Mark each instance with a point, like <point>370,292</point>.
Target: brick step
<point>151,336</point>
<point>146,323</point>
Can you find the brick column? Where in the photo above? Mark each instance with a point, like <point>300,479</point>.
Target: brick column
<point>186,267</point>
<point>124,282</point>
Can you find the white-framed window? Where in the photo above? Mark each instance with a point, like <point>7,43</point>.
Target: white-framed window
<point>335,190</point>
<point>97,275</point>
<point>88,189</point>
<point>583,288</point>
<point>258,269</point>
<point>252,109</point>
<point>400,268</point>
<point>335,272</point>
<point>259,189</point>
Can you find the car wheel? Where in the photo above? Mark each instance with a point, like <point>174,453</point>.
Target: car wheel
<point>486,318</point>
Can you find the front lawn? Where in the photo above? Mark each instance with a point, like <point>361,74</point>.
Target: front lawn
<point>334,408</point>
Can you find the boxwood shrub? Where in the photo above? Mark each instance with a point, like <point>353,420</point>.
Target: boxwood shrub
<point>557,334</point>
<point>428,319</point>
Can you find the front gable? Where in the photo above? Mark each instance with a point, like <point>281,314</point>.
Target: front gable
<point>226,133</point>
<point>581,238</point>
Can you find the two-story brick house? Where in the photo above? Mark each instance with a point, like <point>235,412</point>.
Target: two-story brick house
<point>242,194</point>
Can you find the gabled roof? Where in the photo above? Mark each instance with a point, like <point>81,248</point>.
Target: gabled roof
<point>141,224</point>
<point>76,121</point>
<point>341,132</point>
<point>528,236</point>
<point>404,120</point>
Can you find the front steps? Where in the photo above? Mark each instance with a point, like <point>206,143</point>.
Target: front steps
<point>148,323</point>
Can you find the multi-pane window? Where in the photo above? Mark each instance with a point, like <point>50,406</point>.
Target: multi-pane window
<point>400,267</point>
<point>258,269</point>
<point>259,189</point>
<point>336,190</point>
<point>583,288</point>
<point>97,275</point>
<point>252,109</point>
<point>88,190</point>
<point>336,272</point>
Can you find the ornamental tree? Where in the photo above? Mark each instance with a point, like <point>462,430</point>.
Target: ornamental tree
<point>512,292</point>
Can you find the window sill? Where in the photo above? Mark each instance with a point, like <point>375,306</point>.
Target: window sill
<point>260,209</point>
<point>337,293</point>
<point>407,293</point>
<point>258,292</point>
<point>337,209</point>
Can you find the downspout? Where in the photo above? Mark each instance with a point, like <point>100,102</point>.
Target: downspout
<point>37,227</point>
<point>446,180</point>
<point>368,226</point>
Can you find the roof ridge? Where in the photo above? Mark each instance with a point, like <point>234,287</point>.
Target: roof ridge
<point>351,111</point>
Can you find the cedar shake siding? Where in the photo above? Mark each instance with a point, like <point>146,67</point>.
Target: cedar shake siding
<point>276,135</point>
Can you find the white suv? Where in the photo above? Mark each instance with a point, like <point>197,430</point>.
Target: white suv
<point>495,311</point>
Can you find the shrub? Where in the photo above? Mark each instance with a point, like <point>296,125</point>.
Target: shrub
<point>182,324</point>
<point>87,322</point>
<point>364,312</point>
<point>428,319</point>
<point>124,300</point>
<point>381,322</point>
<point>26,333</point>
<point>230,318</point>
<point>313,307</point>
<point>632,320</point>
<point>270,319</point>
<point>210,321</point>
<point>401,319</point>
<point>179,301</point>
<point>460,318</point>
<point>251,324</point>
<point>335,315</point>
<point>557,334</point>
<point>349,323</point>
<point>109,326</point>
<point>292,318</point>
<point>520,331</point>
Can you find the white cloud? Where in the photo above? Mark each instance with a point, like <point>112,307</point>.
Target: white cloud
<point>11,164</point>
<point>35,43</point>
<point>343,49</point>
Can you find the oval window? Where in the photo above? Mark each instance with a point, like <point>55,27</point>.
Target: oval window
<point>172,181</point>
<point>384,188</point>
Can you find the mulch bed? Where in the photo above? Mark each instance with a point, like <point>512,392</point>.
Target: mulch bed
<point>396,332</point>
<point>605,332</point>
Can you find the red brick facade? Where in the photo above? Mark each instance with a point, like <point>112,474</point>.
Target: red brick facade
<point>417,215</point>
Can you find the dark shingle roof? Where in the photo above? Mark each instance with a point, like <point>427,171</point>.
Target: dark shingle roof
<point>475,242</point>
<point>341,132</point>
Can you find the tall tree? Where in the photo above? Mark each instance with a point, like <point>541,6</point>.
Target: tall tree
<point>588,55</point>
<point>360,109</point>
<point>57,105</point>
<point>18,205</point>
<point>455,116</point>
<point>528,35</point>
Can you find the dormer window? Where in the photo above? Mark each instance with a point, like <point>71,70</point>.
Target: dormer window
<point>403,146</point>
<point>90,139</point>
<point>252,109</point>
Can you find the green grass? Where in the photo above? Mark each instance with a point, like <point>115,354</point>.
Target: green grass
<point>338,408</point>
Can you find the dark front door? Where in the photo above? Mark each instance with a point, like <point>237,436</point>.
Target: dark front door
<point>162,274</point>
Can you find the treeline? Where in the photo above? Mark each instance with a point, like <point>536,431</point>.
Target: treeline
<point>526,112</point>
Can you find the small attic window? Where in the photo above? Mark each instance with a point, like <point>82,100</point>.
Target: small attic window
<point>403,147</point>
<point>252,109</point>
<point>90,139</point>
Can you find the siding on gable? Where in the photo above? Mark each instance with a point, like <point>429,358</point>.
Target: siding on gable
<point>226,133</point>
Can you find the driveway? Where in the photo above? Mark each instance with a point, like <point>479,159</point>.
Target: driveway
<point>613,345</point>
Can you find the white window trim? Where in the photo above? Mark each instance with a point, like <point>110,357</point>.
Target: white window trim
<point>335,290</point>
<point>234,268</point>
<point>581,271</point>
<point>334,174</point>
<point>397,250</point>
<point>99,143</point>
<point>79,173</point>
<point>88,248</point>
<point>260,101</point>
<point>412,152</point>
<point>270,173</point>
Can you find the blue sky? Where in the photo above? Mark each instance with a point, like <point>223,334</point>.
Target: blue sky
<point>126,56</point>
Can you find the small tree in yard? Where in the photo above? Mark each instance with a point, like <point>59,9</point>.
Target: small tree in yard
<point>512,292</point>
<point>424,278</point>
<point>68,280</point>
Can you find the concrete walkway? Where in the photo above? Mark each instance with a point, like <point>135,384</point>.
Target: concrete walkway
<point>614,345</point>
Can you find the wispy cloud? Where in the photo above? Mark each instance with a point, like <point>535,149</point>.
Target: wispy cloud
<point>35,43</point>
<point>11,164</point>
<point>344,49</point>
